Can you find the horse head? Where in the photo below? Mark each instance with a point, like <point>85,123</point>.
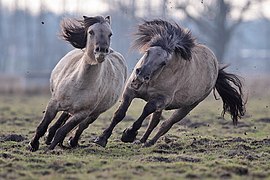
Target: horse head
<point>153,60</point>
<point>98,37</point>
<point>91,33</point>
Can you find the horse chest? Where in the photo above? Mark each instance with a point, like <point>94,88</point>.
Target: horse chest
<point>72,95</point>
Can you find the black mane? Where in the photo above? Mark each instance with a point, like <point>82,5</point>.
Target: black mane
<point>74,31</point>
<point>171,37</point>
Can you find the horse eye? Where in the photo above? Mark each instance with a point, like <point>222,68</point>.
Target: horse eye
<point>110,34</point>
<point>91,32</point>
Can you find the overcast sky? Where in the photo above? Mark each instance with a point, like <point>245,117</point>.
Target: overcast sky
<point>92,7</point>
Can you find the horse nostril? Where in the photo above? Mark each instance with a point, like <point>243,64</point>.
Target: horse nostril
<point>97,49</point>
<point>138,70</point>
<point>147,78</point>
<point>106,50</point>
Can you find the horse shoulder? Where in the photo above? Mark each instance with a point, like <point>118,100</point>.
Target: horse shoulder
<point>119,63</point>
<point>65,65</point>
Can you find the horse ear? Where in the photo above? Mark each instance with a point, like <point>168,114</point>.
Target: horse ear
<point>108,19</point>
<point>85,17</point>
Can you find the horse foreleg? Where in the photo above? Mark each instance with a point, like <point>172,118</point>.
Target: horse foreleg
<point>118,117</point>
<point>73,141</point>
<point>177,116</point>
<point>60,121</point>
<point>61,133</point>
<point>49,115</point>
<point>130,133</point>
<point>155,118</point>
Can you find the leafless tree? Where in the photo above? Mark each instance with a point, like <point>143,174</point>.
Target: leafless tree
<point>215,22</point>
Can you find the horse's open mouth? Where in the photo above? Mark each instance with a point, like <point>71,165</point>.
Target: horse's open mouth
<point>136,84</point>
<point>100,57</point>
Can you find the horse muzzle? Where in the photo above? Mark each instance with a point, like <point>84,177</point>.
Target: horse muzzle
<point>138,81</point>
<point>136,84</point>
<point>100,57</point>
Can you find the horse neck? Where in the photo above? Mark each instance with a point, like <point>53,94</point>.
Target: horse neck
<point>88,70</point>
<point>174,65</point>
<point>89,56</point>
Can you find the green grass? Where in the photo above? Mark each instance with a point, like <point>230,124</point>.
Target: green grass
<point>203,145</point>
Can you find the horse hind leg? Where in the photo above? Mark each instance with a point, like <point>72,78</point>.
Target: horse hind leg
<point>73,141</point>
<point>61,133</point>
<point>177,116</point>
<point>49,115</point>
<point>60,121</point>
<point>155,118</point>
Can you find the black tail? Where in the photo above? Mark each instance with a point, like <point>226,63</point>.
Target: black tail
<point>232,97</point>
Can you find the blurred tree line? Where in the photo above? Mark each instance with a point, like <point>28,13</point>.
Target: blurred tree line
<point>29,42</point>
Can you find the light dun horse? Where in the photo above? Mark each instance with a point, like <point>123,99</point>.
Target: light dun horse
<point>174,73</point>
<point>85,83</point>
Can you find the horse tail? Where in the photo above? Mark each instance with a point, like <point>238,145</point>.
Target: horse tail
<point>232,96</point>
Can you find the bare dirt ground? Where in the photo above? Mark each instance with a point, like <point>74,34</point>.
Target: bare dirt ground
<point>202,146</point>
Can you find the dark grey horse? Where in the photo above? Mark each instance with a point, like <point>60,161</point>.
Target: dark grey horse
<point>175,73</point>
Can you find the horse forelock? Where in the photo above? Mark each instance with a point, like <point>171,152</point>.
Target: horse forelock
<point>89,21</point>
<point>74,31</point>
<point>170,37</point>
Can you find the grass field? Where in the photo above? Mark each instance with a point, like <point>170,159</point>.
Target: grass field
<point>203,145</point>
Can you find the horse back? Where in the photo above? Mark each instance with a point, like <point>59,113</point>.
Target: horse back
<point>197,77</point>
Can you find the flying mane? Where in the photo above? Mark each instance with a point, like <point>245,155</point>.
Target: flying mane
<point>74,31</point>
<point>171,37</point>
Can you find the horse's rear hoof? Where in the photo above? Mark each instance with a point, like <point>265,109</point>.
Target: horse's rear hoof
<point>48,139</point>
<point>33,146</point>
<point>72,142</point>
<point>148,144</point>
<point>137,142</point>
<point>129,135</point>
<point>101,141</point>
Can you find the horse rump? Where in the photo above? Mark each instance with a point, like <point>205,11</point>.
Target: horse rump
<point>229,87</point>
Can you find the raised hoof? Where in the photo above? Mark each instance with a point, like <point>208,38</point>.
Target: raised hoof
<point>72,143</point>
<point>33,146</point>
<point>129,135</point>
<point>101,141</point>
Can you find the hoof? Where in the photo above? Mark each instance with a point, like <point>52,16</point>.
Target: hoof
<point>137,142</point>
<point>148,144</point>
<point>101,141</point>
<point>72,143</point>
<point>48,139</point>
<point>128,135</point>
<point>33,146</point>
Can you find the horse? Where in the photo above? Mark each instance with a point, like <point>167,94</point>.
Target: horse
<point>174,73</point>
<point>86,82</point>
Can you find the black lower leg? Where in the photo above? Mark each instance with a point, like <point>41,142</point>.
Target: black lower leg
<point>60,121</point>
<point>49,115</point>
<point>118,117</point>
<point>130,133</point>
<point>152,124</point>
<point>73,142</point>
<point>65,129</point>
